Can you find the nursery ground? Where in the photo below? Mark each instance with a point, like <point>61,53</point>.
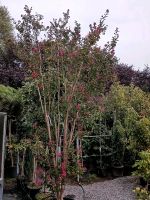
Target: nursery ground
<point>116,189</point>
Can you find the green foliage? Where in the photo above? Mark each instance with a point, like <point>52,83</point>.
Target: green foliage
<point>31,110</point>
<point>9,100</point>
<point>118,143</point>
<point>131,106</point>
<point>142,133</point>
<point>142,166</point>
<point>44,195</point>
<point>6,27</point>
<point>142,193</point>
<point>11,70</point>
<point>142,169</point>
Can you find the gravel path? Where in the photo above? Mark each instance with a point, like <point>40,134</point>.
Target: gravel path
<point>10,197</point>
<point>116,189</point>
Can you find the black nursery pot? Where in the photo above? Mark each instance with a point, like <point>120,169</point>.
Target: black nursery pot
<point>69,197</point>
<point>117,171</point>
<point>33,191</point>
<point>127,171</point>
<point>21,184</point>
<point>105,172</point>
<point>12,172</point>
<point>143,183</point>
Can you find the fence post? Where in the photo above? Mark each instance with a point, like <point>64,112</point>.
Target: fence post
<point>3,124</point>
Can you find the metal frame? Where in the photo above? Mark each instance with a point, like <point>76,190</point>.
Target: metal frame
<point>99,139</point>
<point>4,115</point>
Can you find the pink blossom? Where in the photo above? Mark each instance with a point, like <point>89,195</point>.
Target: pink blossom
<point>33,49</point>
<point>61,53</point>
<point>59,154</point>
<point>39,181</point>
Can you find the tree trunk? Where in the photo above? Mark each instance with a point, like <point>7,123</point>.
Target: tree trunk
<point>60,194</point>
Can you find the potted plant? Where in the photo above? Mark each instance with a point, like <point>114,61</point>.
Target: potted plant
<point>36,184</point>
<point>12,170</point>
<point>142,193</point>
<point>118,141</point>
<point>142,167</point>
<point>69,197</point>
<point>33,188</point>
<point>45,195</point>
<point>21,149</point>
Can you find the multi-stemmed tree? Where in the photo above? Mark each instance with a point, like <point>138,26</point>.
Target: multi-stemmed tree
<point>67,73</point>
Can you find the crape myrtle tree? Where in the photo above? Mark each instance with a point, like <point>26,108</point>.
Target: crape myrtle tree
<point>11,72</point>
<point>66,73</point>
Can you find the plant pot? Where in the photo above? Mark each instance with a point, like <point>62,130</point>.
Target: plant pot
<point>12,172</point>
<point>117,171</point>
<point>22,184</point>
<point>69,197</point>
<point>127,171</point>
<point>143,183</point>
<point>44,196</point>
<point>10,185</point>
<point>33,191</point>
<point>105,172</point>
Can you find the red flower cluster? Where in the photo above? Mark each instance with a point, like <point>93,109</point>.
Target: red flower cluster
<point>35,50</point>
<point>34,74</point>
<point>39,179</point>
<point>61,53</point>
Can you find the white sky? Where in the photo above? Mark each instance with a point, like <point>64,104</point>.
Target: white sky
<point>132,17</point>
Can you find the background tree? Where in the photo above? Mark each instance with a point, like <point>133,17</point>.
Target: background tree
<point>128,75</point>
<point>11,72</point>
<point>130,106</point>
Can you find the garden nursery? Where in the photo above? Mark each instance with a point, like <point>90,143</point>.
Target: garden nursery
<point>78,120</point>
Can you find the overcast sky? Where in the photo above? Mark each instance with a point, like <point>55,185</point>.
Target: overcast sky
<point>132,17</point>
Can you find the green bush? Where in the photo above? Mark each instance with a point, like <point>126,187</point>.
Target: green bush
<point>9,100</point>
<point>142,193</point>
<point>143,165</point>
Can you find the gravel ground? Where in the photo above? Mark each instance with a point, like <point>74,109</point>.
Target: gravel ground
<point>10,197</point>
<point>116,189</point>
